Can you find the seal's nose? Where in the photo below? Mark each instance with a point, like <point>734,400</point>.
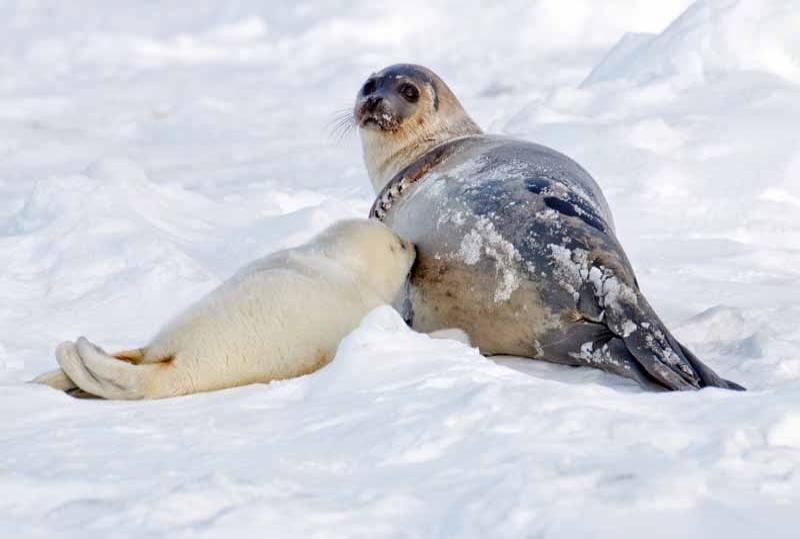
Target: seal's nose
<point>373,102</point>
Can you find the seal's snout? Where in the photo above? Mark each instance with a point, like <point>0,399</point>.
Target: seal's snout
<point>372,103</point>
<point>377,107</point>
<point>375,112</point>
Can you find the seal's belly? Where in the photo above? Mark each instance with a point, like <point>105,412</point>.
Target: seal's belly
<point>446,293</point>
<point>469,276</point>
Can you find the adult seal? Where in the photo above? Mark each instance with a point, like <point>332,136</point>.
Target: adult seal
<point>515,241</point>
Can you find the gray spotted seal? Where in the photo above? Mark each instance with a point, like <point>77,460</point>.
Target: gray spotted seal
<point>515,241</point>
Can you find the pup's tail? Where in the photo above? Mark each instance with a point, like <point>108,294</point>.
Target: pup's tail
<point>113,377</point>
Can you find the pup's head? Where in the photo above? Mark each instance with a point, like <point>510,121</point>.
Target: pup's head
<point>403,111</point>
<point>379,257</point>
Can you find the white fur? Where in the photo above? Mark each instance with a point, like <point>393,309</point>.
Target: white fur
<point>279,317</point>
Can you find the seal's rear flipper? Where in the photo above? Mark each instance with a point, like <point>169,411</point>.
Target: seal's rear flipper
<point>57,379</point>
<point>664,358</point>
<point>709,377</point>
<point>668,366</point>
<point>654,347</point>
<point>600,349</point>
<point>96,372</point>
<point>623,363</point>
<point>611,297</point>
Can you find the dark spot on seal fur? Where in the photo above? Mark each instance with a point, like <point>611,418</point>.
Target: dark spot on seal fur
<point>536,185</point>
<point>586,214</point>
<point>561,206</point>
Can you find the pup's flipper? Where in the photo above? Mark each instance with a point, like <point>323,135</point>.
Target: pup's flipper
<point>101,374</point>
<point>57,379</point>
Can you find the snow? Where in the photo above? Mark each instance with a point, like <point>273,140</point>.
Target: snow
<point>147,152</point>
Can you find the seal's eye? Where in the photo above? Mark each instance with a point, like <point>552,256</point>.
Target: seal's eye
<point>368,87</point>
<point>409,92</point>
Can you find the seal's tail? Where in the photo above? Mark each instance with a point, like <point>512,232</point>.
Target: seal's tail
<point>110,377</point>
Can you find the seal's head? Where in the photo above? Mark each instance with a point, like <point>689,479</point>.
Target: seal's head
<point>402,112</point>
<point>375,255</point>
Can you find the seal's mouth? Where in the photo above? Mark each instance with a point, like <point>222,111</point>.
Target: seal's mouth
<point>378,119</point>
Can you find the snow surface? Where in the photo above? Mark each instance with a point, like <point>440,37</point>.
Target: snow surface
<point>147,150</point>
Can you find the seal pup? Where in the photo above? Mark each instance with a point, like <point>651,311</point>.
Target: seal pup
<point>279,317</point>
<point>515,241</point>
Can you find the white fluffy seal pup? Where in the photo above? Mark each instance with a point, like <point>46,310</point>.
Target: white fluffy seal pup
<point>278,317</point>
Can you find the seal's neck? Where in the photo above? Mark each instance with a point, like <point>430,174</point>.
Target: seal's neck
<point>387,153</point>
